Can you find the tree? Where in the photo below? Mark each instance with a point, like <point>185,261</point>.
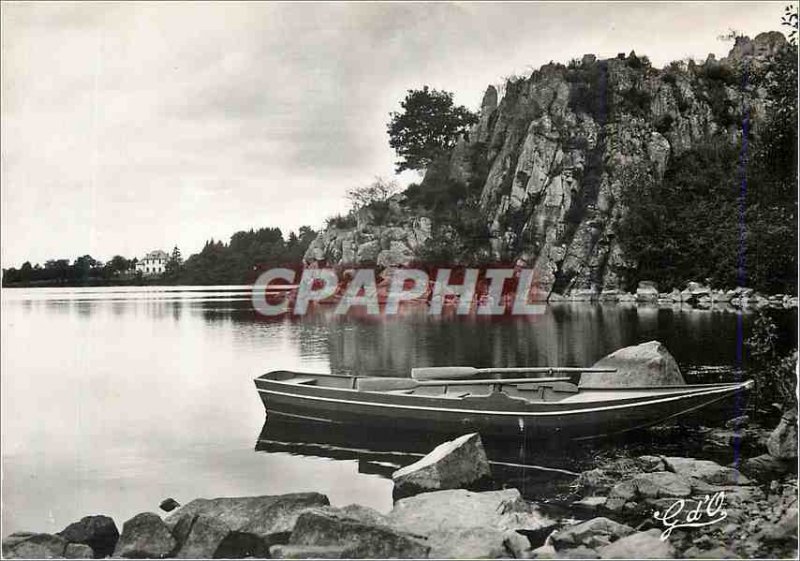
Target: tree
<point>378,191</point>
<point>428,125</point>
<point>174,262</point>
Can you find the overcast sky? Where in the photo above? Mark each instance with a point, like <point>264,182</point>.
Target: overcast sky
<point>129,127</point>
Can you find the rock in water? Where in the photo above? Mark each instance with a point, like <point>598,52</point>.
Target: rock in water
<point>593,533</point>
<point>145,536</point>
<point>28,545</point>
<point>362,532</point>
<point>641,545</point>
<point>168,505</point>
<point>648,364</point>
<point>255,522</point>
<point>98,532</point>
<point>782,443</point>
<point>459,463</point>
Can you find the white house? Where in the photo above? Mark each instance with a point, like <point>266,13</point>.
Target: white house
<point>154,263</point>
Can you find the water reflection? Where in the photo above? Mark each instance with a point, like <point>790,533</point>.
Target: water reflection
<point>164,380</point>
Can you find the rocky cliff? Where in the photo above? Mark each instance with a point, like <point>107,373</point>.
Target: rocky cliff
<point>549,162</point>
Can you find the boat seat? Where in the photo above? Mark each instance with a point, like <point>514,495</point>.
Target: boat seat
<point>309,381</point>
<point>384,384</point>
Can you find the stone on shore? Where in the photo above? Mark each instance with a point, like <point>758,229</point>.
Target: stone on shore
<point>78,551</point>
<point>782,442</point>
<point>203,539</point>
<point>705,470</point>
<point>592,533</point>
<point>363,532</point>
<point>459,463</point>
<point>641,545</point>
<point>447,519</point>
<point>29,545</point>
<point>145,536</point>
<point>255,522</point>
<point>647,364</point>
<point>98,532</point>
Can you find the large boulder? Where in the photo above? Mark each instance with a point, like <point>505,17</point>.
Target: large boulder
<point>306,551</point>
<point>782,442</point>
<point>362,532</point>
<point>255,523</point>
<point>456,509</point>
<point>647,364</point>
<point>205,539</point>
<point>592,533</point>
<point>641,545</point>
<point>145,536</point>
<point>29,545</point>
<point>459,523</point>
<point>98,532</point>
<point>459,463</point>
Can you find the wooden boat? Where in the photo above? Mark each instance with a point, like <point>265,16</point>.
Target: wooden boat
<point>546,408</point>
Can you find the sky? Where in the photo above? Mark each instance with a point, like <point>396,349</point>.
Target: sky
<point>128,127</point>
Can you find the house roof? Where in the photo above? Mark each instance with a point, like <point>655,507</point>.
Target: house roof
<point>156,254</point>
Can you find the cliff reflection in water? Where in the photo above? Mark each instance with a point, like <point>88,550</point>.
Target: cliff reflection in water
<point>567,334</point>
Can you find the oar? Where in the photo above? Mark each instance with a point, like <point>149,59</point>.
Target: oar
<point>454,372</point>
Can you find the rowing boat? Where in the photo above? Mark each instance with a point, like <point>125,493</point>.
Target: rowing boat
<point>544,407</point>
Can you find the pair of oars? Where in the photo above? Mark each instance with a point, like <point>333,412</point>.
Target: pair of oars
<point>461,372</point>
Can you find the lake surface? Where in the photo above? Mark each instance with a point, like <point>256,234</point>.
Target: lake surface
<point>115,398</point>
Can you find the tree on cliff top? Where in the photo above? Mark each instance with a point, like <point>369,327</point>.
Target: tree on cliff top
<point>428,125</point>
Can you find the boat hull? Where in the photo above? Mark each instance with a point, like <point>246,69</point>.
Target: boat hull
<point>497,413</point>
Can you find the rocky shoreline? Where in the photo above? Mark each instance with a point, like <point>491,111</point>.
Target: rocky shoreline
<point>448,506</point>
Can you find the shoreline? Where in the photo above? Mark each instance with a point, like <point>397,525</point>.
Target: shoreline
<point>609,510</point>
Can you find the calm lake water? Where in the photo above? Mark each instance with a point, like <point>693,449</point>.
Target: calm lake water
<point>115,398</point>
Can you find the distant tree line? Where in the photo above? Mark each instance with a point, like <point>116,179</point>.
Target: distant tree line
<point>237,262</point>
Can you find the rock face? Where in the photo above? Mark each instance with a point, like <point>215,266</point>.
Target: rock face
<point>460,463</point>
<point>648,364</point>
<point>550,161</point>
<point>239,526</point>
<point>98,532</point>
<point>145,536</point>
